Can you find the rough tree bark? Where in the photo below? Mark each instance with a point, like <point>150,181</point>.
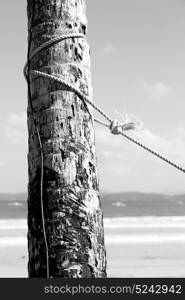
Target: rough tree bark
<point>73,216</point>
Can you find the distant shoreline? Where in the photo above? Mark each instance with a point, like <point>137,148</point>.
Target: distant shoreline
<point>119,231</point>
<point>136,247</point>
<point>115,207</point>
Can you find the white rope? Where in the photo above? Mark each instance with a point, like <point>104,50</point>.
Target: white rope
<point>64,36</point>
<point>73,89</point>
<point>116,127</point>
<point>27,77</point>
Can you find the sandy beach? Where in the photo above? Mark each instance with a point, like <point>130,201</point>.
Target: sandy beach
<point>136,247</point>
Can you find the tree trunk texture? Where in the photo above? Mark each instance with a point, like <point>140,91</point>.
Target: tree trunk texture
<point>72,209</point>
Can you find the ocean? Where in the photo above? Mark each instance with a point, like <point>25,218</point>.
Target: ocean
<point>143,238</point>
<point>134,220</point>
<point>113,205</point>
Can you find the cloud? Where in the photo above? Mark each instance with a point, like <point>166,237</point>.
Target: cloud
<point>181,131</point>
<point>172,148</point>
<point>124,166</point>
<point>108,49</point>
<point>156,91</point>
<point>16,129</point>
<point>119,170</point>
<point>116,151</point>
<point>18,119</point>
<point>112,155</point>
<point>104,137</point>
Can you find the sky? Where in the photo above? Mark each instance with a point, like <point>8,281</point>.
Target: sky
<point>138,70</point>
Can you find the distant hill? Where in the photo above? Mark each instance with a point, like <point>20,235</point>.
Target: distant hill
<point>13,197</point>
<point>113,205</point>
<point>128,196</point>
<point>141,204</point>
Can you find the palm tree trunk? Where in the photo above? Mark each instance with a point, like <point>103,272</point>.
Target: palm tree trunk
<point>71,206</point>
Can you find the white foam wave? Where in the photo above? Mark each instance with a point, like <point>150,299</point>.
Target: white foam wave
<point>145,222</point>
<point>15,204</point>
<point>144,239</point>
<point>112,239</point>
<point>13,241</point>
<point>113,223</point>
<point>13,224</point>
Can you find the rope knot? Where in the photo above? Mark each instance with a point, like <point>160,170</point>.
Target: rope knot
<point>118,128</point>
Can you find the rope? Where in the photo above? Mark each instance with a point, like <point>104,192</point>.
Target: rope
<point>115,127</point>
<point>73,89</point>
<point>115,130</point>
<point>27,77</point>
<point>83,97</point>
<point>153,152</point>
<point>51,42</point>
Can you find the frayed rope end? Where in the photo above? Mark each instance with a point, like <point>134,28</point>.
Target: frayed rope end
<point>118,128</point>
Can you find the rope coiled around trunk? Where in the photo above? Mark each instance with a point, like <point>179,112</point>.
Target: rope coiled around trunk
<point>115,127</point>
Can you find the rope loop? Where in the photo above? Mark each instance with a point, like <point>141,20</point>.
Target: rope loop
<point>115,126</point>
